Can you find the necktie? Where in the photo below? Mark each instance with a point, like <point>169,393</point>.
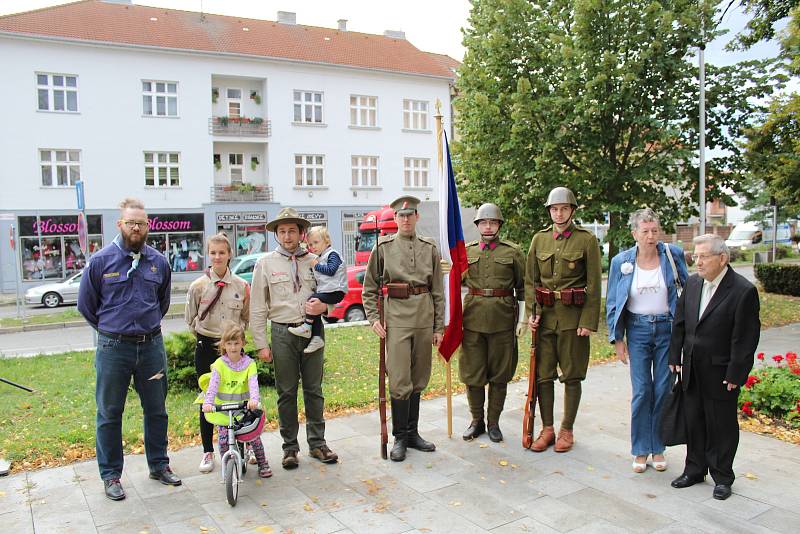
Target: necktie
<point>708,290</point>
<point>135,263</point>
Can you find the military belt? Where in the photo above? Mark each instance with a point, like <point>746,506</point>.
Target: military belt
<point>491,292</point>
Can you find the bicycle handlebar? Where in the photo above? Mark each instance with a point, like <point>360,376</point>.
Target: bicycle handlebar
<point>230,406</point>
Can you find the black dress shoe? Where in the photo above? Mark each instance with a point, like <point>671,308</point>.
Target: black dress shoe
<point>722,491</point>
<point>114,489</point>
<point>684,481</point>
<point>475,429</point>
<point>494,433</point>
<point>166,477</point>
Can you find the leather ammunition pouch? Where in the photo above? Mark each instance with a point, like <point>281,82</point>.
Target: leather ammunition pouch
<point>573,296</point>
<point>398,290</point>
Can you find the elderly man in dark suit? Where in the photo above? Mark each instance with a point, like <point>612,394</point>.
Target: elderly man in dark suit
<point>714,337</point>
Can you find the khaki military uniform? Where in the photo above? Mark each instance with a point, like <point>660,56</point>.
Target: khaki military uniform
<point>556,264</point>
<point>489,348</point>
<point>233,304</point>
<point>411,322</point>
<point>273,297</point>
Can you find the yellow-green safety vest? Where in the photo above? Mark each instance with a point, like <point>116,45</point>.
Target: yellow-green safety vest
<point>233,387</point>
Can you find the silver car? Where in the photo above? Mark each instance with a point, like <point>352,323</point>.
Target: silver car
<point>52,295</point>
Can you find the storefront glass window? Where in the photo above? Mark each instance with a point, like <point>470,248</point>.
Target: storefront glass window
<point>49,245</point>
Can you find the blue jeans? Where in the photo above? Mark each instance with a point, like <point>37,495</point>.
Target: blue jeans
<point>116,361</point>
<point>648,349</point>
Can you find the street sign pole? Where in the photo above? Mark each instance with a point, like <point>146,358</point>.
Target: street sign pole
<point>14,241</point>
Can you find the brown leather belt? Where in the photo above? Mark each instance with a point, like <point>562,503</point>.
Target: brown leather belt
<point>491,292</point>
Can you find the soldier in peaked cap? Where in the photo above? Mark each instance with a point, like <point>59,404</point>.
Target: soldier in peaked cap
<point>408,265</point>
<point>493,318</point>
<point>562,288</point>
<point>282,282</point>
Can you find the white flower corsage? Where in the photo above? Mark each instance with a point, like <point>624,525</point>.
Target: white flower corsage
<point>626,268</point>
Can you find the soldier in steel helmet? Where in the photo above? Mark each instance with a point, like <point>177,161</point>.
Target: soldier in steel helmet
<point>408,266</point>
<point>493,318</point>
<point>562,285</point>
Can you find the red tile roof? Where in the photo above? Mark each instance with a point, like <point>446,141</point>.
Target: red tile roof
<point>98,21</point>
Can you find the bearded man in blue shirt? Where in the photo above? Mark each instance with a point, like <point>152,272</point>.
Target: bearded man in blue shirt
<point>124,294</point>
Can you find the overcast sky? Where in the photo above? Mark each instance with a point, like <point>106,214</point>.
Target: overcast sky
<point>431,25</point>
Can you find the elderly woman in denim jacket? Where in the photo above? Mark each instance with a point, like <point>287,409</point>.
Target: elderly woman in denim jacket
<point>640,304</point>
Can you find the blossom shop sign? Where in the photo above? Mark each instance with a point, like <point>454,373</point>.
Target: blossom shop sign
<point>50,225</point>
<point>177,222</point>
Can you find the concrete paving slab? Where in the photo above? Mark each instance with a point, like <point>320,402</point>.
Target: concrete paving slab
<point>369,518</point>
<point>132,525</point>
<point>556,514</point>
<point>616,512</point>
<point>192,525</point>
<point>57,501</point>
<point>20,519</point>
<point>168,509</point>
<point>432,518</point>
<point>478,505</point>
<point>67,523</point>
<point>779,520</point>
<point>527,525</point>
<point>246,516</point>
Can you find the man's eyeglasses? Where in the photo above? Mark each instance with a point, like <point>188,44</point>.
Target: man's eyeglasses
<point>129,223</point>
<point>704,257</point>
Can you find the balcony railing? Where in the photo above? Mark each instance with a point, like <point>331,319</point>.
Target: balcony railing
<point>240,127</point>
<point>241,193</point>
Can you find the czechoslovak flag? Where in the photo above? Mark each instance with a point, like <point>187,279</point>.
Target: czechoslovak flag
<point>451,236</point>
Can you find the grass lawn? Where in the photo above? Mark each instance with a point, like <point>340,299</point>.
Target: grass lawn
<point>55,425</point>
<point>69,314</point>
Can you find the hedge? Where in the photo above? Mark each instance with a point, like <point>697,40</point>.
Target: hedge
<point>778,278</point>
<point>180,362</point>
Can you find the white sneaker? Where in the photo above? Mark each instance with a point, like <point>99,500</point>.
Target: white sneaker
<point>304,330</point>
<point>250,455</point>
<point>314,345</point>
<point>207,463</point>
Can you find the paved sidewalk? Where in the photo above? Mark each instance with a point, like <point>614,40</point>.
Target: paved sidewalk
<point>462,487</point>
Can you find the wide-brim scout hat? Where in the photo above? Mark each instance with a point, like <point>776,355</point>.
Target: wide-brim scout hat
<point>287,216</point>
<point>405,205</point>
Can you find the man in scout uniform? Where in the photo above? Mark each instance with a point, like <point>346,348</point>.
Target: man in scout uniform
<point>282,282</point>
<point>408,265</point>
<point>496,282</point>
<point>562,285</point>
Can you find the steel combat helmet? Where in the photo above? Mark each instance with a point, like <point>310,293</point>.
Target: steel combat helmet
<point>488,211</point>
<point>561,195</point>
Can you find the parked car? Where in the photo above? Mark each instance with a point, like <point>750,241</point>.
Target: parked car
<point>55,294</point>
<point>243,265</point>
<point>351,308</point>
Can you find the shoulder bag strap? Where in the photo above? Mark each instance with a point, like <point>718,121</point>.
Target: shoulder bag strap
<point>674,269</point>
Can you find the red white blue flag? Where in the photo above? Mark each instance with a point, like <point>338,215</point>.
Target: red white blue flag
<point>453,250</point>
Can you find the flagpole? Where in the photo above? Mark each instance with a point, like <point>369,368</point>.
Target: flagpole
<point>447,369</point>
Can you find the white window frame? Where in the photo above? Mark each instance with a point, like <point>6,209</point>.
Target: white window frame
<point>360,108</point>
<point>309,163</point>
<point>159,91</point>
<point>416,173</point>
<point>158,163</point>
<point>233,100</point>
<point>415,118</point>
<point>364,172</point>
<point>52,89</point>
<point>234,166</point>
<point>68,159</point>
<point>301,103</point>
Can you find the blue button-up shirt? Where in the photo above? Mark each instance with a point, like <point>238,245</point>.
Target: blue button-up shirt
<point>113,301</point>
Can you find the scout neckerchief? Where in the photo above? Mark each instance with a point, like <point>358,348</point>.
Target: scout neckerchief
<point>136,256</point>
<point>220,287</point>
<point>299,252</point>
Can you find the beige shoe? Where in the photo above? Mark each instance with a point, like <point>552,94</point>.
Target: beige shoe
<point>546,438</point>
<point>301,331</point>
<point>314,345</point>
<point>565,440</point>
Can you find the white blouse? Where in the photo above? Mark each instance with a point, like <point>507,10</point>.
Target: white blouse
<point>648,293</point>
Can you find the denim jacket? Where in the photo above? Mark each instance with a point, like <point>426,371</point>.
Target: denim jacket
<point>619,285</point>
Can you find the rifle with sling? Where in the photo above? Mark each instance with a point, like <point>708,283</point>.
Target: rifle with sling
<point>530,402</point>
<point>382,365</point>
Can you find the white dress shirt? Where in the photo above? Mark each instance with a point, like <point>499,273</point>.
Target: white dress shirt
<point>709,288</point>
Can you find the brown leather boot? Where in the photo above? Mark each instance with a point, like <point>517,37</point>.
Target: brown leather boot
<point>546,438</point>
<point>564,441</point>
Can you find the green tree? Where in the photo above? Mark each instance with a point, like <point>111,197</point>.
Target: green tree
<point>765,15</point>
<point>599,96</point>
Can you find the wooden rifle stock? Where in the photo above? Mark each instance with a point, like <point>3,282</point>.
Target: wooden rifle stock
<point>530,402</point>
<point>382,381</point>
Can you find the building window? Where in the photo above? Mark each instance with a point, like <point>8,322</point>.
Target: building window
<point>49,246</point>
<point>159,99</point>
<point>363,110</point>
<point>60,168</point>
<point>235,165</point>
<point>161,169</point>
<point>308,170</point>
<point>415,115</point>
<point>364,171</point>
<point>308,107</point>
<point>234,98</point>
<point>415,172</point>
<point>57,92</point>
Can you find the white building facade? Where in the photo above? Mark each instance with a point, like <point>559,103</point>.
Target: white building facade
<point>209,140</point>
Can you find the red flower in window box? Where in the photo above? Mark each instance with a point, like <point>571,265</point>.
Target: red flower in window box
<point>777,358</point>
<point>751,381</point>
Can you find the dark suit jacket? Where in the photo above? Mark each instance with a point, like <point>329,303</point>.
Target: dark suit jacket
<point>719,345</point>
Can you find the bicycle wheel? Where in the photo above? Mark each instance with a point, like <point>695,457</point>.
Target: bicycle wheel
<point>232,480</point>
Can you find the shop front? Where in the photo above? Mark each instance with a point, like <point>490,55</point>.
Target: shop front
<point>247,231</point>
<point>180,237</point>
<point>49,247</point>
